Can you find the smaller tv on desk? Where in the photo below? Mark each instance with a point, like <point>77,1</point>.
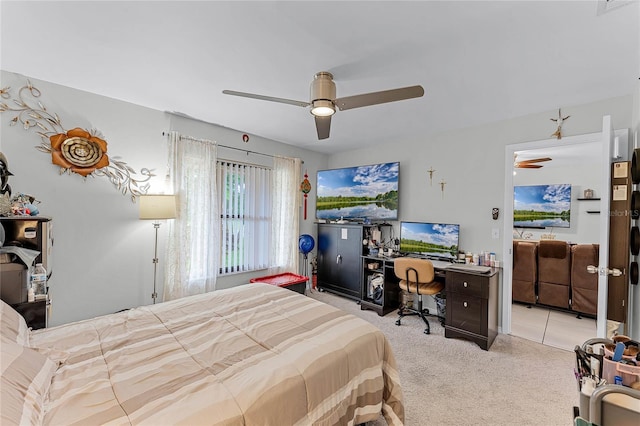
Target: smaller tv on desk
<point>435,241</point>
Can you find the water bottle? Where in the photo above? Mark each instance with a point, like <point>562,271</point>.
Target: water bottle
<point>39,279</point>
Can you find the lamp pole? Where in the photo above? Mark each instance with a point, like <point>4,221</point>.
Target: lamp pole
<point>154,295</point>
<point>157,207</point>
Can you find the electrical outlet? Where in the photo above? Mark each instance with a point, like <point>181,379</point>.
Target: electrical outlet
<point>495,233</point>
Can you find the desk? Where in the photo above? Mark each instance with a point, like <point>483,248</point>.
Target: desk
<point>472,297</point>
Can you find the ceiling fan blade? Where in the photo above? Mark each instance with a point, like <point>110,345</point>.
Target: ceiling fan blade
<point>375,98</point>
<point>527,166</point>
<point>535,160</point>
<point>323,125</point>
<point>266,98</point>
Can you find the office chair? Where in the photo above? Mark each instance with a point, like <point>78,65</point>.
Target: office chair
<point>416,276</point>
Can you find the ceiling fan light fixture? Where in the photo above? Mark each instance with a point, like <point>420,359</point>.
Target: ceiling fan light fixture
<point>322,108</point>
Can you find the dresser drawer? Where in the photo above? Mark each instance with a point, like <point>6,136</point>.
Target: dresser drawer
<point>466,313</point>
<point>467,284</point>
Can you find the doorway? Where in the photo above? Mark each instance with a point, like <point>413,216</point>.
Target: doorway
<point>576,145</point>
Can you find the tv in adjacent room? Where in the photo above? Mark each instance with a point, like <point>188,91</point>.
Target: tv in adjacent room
<point>542,206</point>
<point>358,193</point>
<point>433,240</point>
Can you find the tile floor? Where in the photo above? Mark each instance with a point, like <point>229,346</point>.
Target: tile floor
<point>551,327</point>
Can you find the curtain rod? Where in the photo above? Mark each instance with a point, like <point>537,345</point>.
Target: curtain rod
<point>226,146</point>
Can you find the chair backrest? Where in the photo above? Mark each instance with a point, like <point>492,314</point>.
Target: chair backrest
<point>554,262</point>
<point>412,269</point>
<point>525,261</point>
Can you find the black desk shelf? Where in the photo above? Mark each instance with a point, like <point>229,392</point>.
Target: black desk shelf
<point>391,291</point>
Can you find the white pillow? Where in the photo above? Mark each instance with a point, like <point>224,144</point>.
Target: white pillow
<point>26,378</point>
<point>13,327</point>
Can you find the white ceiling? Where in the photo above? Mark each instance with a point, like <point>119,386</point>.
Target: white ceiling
<point>478,62</point>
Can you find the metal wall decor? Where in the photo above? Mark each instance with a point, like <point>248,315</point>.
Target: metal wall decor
<point>79,151</point>
<point>431,171</point>
<point>560,121</point>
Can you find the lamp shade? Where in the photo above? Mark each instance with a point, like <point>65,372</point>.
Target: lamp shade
<point>157,207</point>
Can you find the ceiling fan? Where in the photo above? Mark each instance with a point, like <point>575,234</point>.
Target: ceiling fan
<point>529,164</point>
<point>323,101</point>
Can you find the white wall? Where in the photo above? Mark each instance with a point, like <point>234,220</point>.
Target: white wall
<point>102,252</point>
<point>471,161</point>
<point>584,227</point>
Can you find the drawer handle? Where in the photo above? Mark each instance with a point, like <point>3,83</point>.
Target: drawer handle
<point>465,284</point>
<point>464,304</point>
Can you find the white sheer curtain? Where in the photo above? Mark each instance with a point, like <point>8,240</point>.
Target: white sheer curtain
<point>193,252</point>
<point>285,215</point>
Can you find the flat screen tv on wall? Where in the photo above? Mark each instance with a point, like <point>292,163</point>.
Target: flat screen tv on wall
<point>542,206</point>
<point>358,193</point>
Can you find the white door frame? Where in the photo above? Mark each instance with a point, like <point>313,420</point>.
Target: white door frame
<point>507,269</point>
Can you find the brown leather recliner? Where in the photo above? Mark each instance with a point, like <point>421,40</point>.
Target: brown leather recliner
<point>525,271</point>
<point>554,273</point>
<point>584,286</point>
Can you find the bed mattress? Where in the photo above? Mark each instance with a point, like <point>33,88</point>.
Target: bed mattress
<point>254,355</point>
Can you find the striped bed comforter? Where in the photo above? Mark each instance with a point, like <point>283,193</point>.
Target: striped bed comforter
<point>250,355</point>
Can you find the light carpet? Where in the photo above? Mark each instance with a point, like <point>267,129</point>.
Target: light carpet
<point>455,382</point>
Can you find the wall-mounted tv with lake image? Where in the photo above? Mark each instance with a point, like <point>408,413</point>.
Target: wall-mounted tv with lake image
<point>542,206</point>
<point>358,193</point>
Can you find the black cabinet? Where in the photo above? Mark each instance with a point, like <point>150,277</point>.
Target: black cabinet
<point>34,313</point>
<point>378,272</point>
<point>339,259</point>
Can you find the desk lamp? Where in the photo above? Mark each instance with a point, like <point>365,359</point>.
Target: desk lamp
<point>157,208</point>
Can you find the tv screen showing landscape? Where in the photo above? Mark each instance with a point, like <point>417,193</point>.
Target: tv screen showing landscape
<point>358,193</point>
<point>438,240</point>
<point>542,206</point>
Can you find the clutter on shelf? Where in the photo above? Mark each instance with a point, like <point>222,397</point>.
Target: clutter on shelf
<point>16,205</point>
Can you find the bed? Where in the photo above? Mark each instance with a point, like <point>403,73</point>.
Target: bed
<point>254,354</point>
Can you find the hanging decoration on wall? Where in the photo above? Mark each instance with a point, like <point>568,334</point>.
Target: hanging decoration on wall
<point>79,151</point>
<point>431,171</point>
<point>305,187</point>
<point>495,212</point>
<point>442,184</point>
<point>560,121</point>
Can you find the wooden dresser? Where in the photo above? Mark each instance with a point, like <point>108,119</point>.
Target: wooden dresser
<point>472,306</point>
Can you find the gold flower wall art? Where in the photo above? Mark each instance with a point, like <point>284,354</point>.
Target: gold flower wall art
<point>79,151</point>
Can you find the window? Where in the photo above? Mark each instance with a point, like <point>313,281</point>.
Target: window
<point>245,216</point>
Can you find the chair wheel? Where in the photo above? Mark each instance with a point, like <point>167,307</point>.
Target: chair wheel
<point>398,322</point>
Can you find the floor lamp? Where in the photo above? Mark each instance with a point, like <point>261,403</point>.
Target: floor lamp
<point>157,208</point>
